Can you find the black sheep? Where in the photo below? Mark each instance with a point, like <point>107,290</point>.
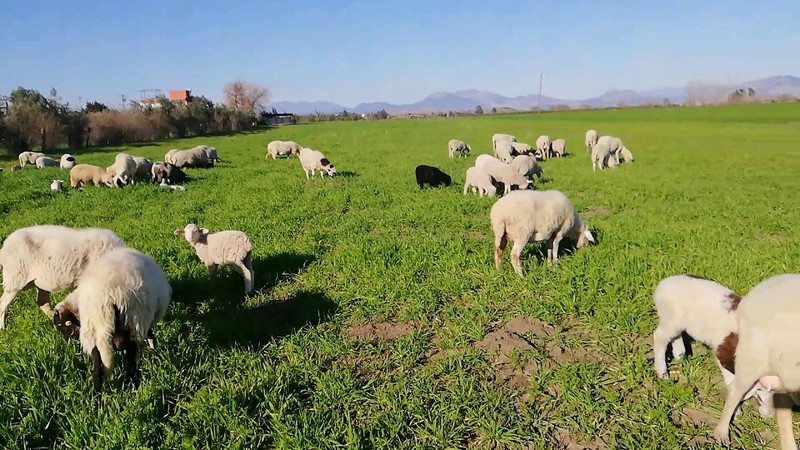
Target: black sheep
<point>431,176</point>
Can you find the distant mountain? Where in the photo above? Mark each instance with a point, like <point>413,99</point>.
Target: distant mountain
<point>469,99</point>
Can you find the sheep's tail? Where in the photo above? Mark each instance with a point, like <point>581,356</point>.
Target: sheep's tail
<point>786,362</point>
<point>499,228</point>
<point>97,328</point>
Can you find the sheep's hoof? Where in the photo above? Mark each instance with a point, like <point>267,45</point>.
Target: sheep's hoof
<point>663,375</point>
<point>722,434</point>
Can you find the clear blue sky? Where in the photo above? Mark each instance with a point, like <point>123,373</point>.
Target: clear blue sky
<point>398,51</point>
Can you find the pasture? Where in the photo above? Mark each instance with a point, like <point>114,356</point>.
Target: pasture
<point>379,320</point>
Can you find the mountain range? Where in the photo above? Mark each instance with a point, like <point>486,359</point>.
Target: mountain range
<point>467,100</point>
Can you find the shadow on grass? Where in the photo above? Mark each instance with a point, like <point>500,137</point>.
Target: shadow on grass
<point>346,174</point>
<point>566,248</point>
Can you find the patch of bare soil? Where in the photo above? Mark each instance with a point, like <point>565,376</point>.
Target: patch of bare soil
<point>379,331</point>
<point>595,211</point>
<point>564,441</point>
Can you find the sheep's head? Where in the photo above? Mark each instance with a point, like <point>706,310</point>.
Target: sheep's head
<point>328,166</point>
<point>585,237</point>
<point>192,233</point>
<point>67,323</point>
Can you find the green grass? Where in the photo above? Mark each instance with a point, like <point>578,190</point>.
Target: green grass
<point>712,192</point>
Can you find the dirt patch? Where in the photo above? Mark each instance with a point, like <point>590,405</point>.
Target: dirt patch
<point>380,331</point>
<point>565,441</point>
<point>595,211</point>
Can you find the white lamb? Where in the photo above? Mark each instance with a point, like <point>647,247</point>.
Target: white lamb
<point>602,157</point>
<point>503,151</point>
<point>539,215</point>
<point>706,311</point>
<point>455,146</point>
<point>50,257</point>
<point>67,161</point>
<point>230,247</point>
<point>768,352</point>
<point>283,148</point>
<point>46,161</point>
<point>559,147</point>
<point>118,300</point>
<point>543,146</point>
<point>26,158</point>
<point>312,160</point>
<point>501,137</point>
<point>626,154</point>
<point>502,173</point>
<point>479,180</point>
<point>527,166</point>
<point>521,148</point>
<point>614,145</point>
<point>591,140</point>
<point>124,168</point>
<point>56,185</point>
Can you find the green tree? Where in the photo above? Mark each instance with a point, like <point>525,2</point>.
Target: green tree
<point>479,110</point>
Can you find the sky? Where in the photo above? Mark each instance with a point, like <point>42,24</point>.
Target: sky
<point>353,51</point>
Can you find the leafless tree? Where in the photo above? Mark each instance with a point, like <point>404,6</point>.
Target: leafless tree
<point>245,96</point>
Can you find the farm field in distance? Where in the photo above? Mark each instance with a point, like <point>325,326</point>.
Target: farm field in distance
<point>379,320</point>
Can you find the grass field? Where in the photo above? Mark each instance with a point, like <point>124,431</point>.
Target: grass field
<point>380,321</point>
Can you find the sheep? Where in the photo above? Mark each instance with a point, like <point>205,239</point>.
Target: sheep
<point>312,160</point>
<point>124,168</point>
<point>503,151</point>
<point>56,185</point>
<point>50,257</point>
<point>287,148</point>
<point>159,172</point>
<point>521,148</point>
<point>539,215</point>
<point>194,157</point>
<point>143,168</point>
<point>559,147</point>
<point>45,161</point>
<point>170,156</point>
<point>602,156</point>
<point>85,173</point>
<point>228,247</point>
<point>480,180</point>
<point>431,176</point>
<point>706,311</point>
<point>210,152</point>
<point>543,146</point>
<point>502,173</point>
<point>591,139</point>
<point>119,298</point>
<point>67,161</point>
<point>26,158</point>
<point>526,165</point>
<point>626,154</point>
<point>502,137</point>
<point>614,145</point>
<point>767,352</point>
<point>455,146</point>
<point>16,167</point>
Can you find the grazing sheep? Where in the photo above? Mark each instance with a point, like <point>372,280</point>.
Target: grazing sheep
<point>614,145</point>
<point>706,311</point>
<point>503,151</point>
<point>431,176</point>
<point>45,161</point>
<point>559,147</point>
<point>159,173</point>
<point>26,158</point>
<point>170,156</point>
<point>283,148</point>
<point>591,139</point>
<point>602,156</point>
<point>230,247</point>
<point>16,168</point>
<point>501,137</point>
<point>312,160</point>
<point>626,154</point>
<point>479,180</point>
<point>67,161</point>
<point>539,215</point>
<point>502,173</point>
<point>521,148</point>
<point>209,152</point>
<point>119,298</point>
<point>192,158</point>
<point>455,146</point>
<point>143,168</point>
<point>87,173</point>
<point>767,352</point>
<point>50,257</point>
<point>543,146</point>
<point>56,185</point>
<point>527,166</point>
<point>124,168</point>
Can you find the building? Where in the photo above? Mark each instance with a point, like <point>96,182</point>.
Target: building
<point>180,95</point>
<point>275,118</point>
<point>150,97</point>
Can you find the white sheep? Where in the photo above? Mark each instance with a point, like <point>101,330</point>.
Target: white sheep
<point>124,168</point>
<point>283,148</point>
<point>119,298</point>
<point>312,160</point>
<point>46,161</point>
<point>503,151</point>
<point>50,257</point>
<point>480,180</point>
<point>230,247</point>
<point>543,146</point>
<point>521,148</point>
<point>67,161</point>
<point>501,137</point>
<point>170,156</point>
<point>194,157</point>
<point>591,139</point>
<point>602,157</point>
<point>527,166</point>
<point>559,147</point>
<point>26,158</point>
<point>706,311</point>
<point>87,173</point>
<point>502,173</point>
<point>56,185</point>
<point>455,146</point>
<point>143,169</point>
<point>614,145</point>
<point>626,154</point>
<point>767,352</point>
<point>539,215</point>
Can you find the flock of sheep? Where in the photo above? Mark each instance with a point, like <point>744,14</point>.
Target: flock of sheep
<point>119,294</point>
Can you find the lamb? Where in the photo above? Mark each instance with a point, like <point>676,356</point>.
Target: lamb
<point>767,352</point>
<point>706,311</point>
<point>543,146</point>
<point>119,298</point>
<point>209,152</point>
<point>614,145</point>
<point>143,169</point>
<point>480,180</point>
<point>521,148</point>
<point>431,176</point>
<point>312,160</point>
<point>230,247</point>
<point>455,146</point>
<point>159,173</point>
<point>46,161</point>
<point>559,147</point>
<point>527,166</point>
<point>591,139</point>
<point>539,215</point>
<point>194,157</point>
<point>602,156</point>
<point>50,257</point>
<point>501,137</point>
<point>86,173</point>
<point>26,158</point>
<point>504,150</point>
<point>170,156</point>
<point>287,148</point>
<point>626,154</point>
<point>56,185</point>
<point>124,168</point>
<point>67,161</point>
<point>502,173</point>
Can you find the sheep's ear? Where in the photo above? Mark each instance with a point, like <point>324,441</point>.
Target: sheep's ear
<point>588,235</point>
<point>179,232</point>
<point>204,230</point>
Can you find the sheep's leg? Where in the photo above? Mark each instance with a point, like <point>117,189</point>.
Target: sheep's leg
<point>516,251</point>
<point>248,264</point>
<point>212,270</point>
<point>466,188</point>
<point>5,300</point>
<point>43,301</point>
<point>97,371</point>
<point>661,338</point>
<point>498,252</point>
<point>151,339</point>
<point>306,172</point>
<point>554,245</point>
<point>783,415</point>
<point>679,350</point>
<point>741,385</point>
<point>245,273</point>
<point>132,362</point>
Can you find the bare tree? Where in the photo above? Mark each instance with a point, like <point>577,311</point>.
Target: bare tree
<point>245,96</point>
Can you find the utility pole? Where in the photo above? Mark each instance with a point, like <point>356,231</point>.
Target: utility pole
<point>539,106</point>
<point>122,96</point>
